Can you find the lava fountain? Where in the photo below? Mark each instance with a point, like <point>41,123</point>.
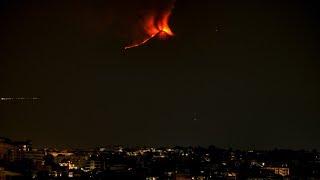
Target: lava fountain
<point>155,24</point>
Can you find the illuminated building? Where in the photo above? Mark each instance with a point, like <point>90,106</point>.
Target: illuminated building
<point>13,150</point>
<point>37,156</point>
<point>94,163</point>
<point>282,171</point>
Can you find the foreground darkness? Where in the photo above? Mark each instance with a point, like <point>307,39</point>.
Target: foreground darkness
<point>249,70</point>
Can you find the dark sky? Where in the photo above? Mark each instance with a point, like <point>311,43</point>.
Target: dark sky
<point>254,82</point>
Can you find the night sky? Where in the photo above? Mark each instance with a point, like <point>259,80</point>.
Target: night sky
<point>248,69</point>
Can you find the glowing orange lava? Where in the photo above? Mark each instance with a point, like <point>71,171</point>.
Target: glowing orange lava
<point>155,26</point>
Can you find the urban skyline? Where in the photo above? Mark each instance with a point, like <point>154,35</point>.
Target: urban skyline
<point>19,160</point>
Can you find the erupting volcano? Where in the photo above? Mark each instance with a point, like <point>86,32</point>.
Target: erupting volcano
<point>154,25</point>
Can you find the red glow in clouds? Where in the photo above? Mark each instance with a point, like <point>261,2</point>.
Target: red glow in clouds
<point>154,25</point>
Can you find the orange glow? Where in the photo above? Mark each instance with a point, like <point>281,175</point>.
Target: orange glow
<point>154,25</point>
<point>163,25</point>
